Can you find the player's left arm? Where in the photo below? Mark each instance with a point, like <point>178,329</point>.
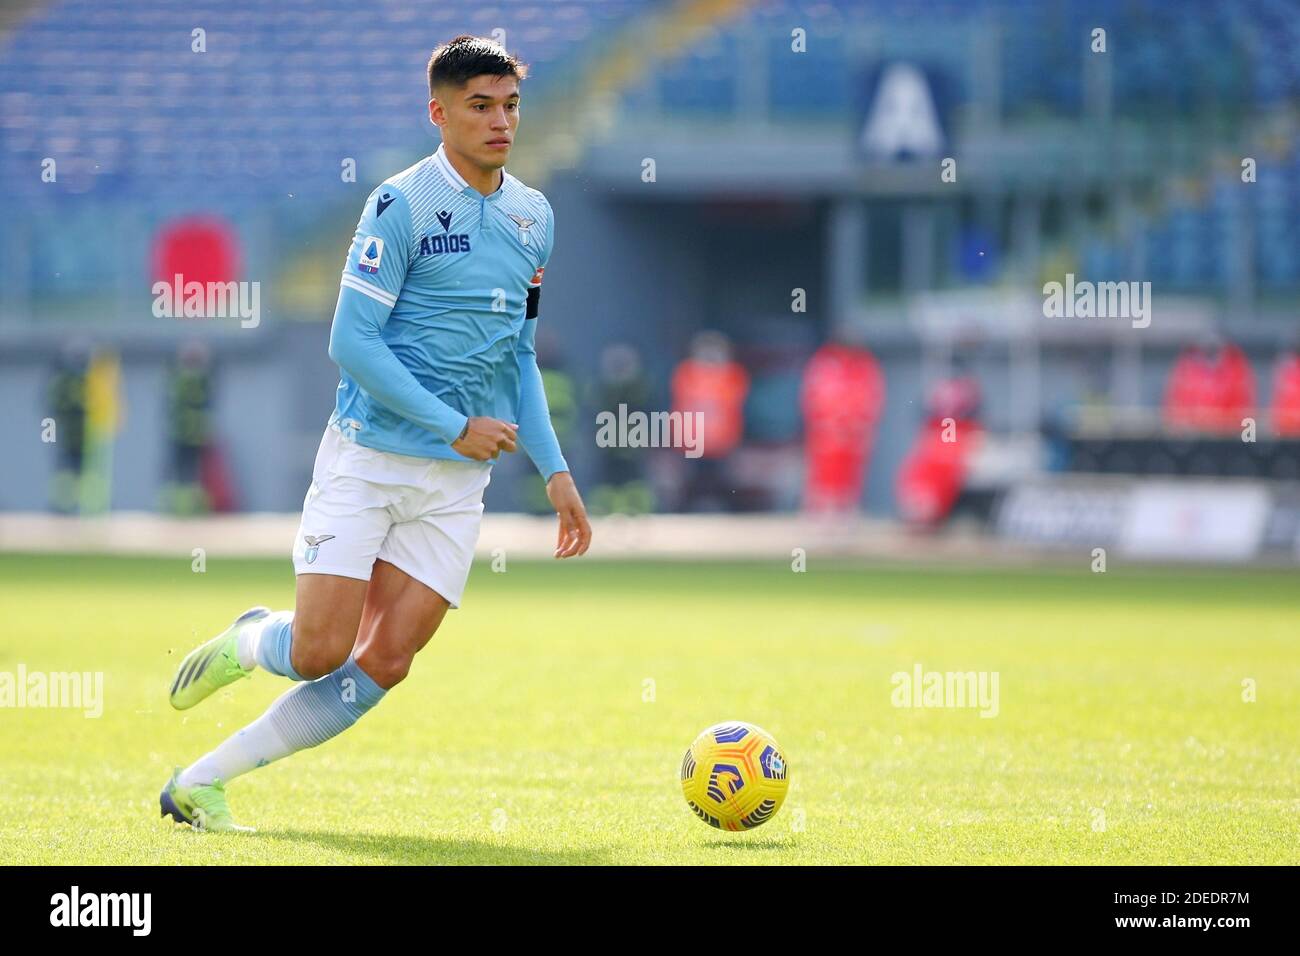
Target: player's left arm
<point>537,434</point>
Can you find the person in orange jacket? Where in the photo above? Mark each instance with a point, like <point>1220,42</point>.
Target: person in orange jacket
<point>713,386</point>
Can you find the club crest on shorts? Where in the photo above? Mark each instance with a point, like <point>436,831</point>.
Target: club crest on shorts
<point>523,225</point>
<point>313,545</point>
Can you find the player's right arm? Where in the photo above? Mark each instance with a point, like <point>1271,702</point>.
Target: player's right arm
<point>372,280</point>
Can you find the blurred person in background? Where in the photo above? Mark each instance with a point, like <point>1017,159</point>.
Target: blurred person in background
<point>1189,392</point>
<point>623,487</point>
<point>842,397</point>
<point>934,471</point>
<point>1286,391</point>
<point>85,396</point>
<point>714,385</point>
<point>1235,389</point>
<point>1211,387</point>
<point>66,395</point>
<point>199,479</point>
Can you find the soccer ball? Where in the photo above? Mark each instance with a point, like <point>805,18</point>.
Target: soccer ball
<point>734,776</point>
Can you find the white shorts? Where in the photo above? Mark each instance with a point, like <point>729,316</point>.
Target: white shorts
<point>419,514</point>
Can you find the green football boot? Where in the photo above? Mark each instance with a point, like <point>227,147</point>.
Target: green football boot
<point>202,807</point>
<point>213,664</point>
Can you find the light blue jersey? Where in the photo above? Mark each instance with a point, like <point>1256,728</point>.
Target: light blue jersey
<point>436,318</point>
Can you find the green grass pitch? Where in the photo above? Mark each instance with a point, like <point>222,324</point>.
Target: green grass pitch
<point>524,733</point>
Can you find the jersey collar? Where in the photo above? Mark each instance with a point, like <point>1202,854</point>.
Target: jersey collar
<point>456,181</point>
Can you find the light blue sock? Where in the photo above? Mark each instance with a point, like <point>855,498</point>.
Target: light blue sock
<point>312,713</point>
<point>271,649</point>
<point>304,716</point>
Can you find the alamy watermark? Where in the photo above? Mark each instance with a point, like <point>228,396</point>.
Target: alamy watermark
<point>75,908</point>
<point>638,429</point>
<point>1098,300</point>
<point>946,689</point>
<point>71,690</point>
<point>179,299</point>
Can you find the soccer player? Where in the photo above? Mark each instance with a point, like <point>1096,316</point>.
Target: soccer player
<point>434,334</point>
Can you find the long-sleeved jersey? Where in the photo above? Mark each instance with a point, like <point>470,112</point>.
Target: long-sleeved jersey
<point>436,317</point>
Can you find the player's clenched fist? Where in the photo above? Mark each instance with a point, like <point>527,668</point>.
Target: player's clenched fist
<point>485,438</point>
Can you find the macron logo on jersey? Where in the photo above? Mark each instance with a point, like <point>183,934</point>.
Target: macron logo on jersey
<point>372,253</point>
<point>448,242</point>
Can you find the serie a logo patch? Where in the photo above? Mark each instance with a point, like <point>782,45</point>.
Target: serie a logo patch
<point>372,253</point>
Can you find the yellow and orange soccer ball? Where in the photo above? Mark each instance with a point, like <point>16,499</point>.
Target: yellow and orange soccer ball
<point>734,776</point>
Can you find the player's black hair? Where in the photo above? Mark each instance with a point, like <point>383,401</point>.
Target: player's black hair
<point>458,61</point>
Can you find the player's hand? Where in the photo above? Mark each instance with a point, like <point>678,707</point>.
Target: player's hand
<point>486,438</point>
<point>575,530</point>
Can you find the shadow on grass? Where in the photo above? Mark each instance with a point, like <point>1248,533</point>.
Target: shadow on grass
<point>408,849</point>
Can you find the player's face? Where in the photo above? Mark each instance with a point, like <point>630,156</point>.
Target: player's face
<point>479,120</point>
